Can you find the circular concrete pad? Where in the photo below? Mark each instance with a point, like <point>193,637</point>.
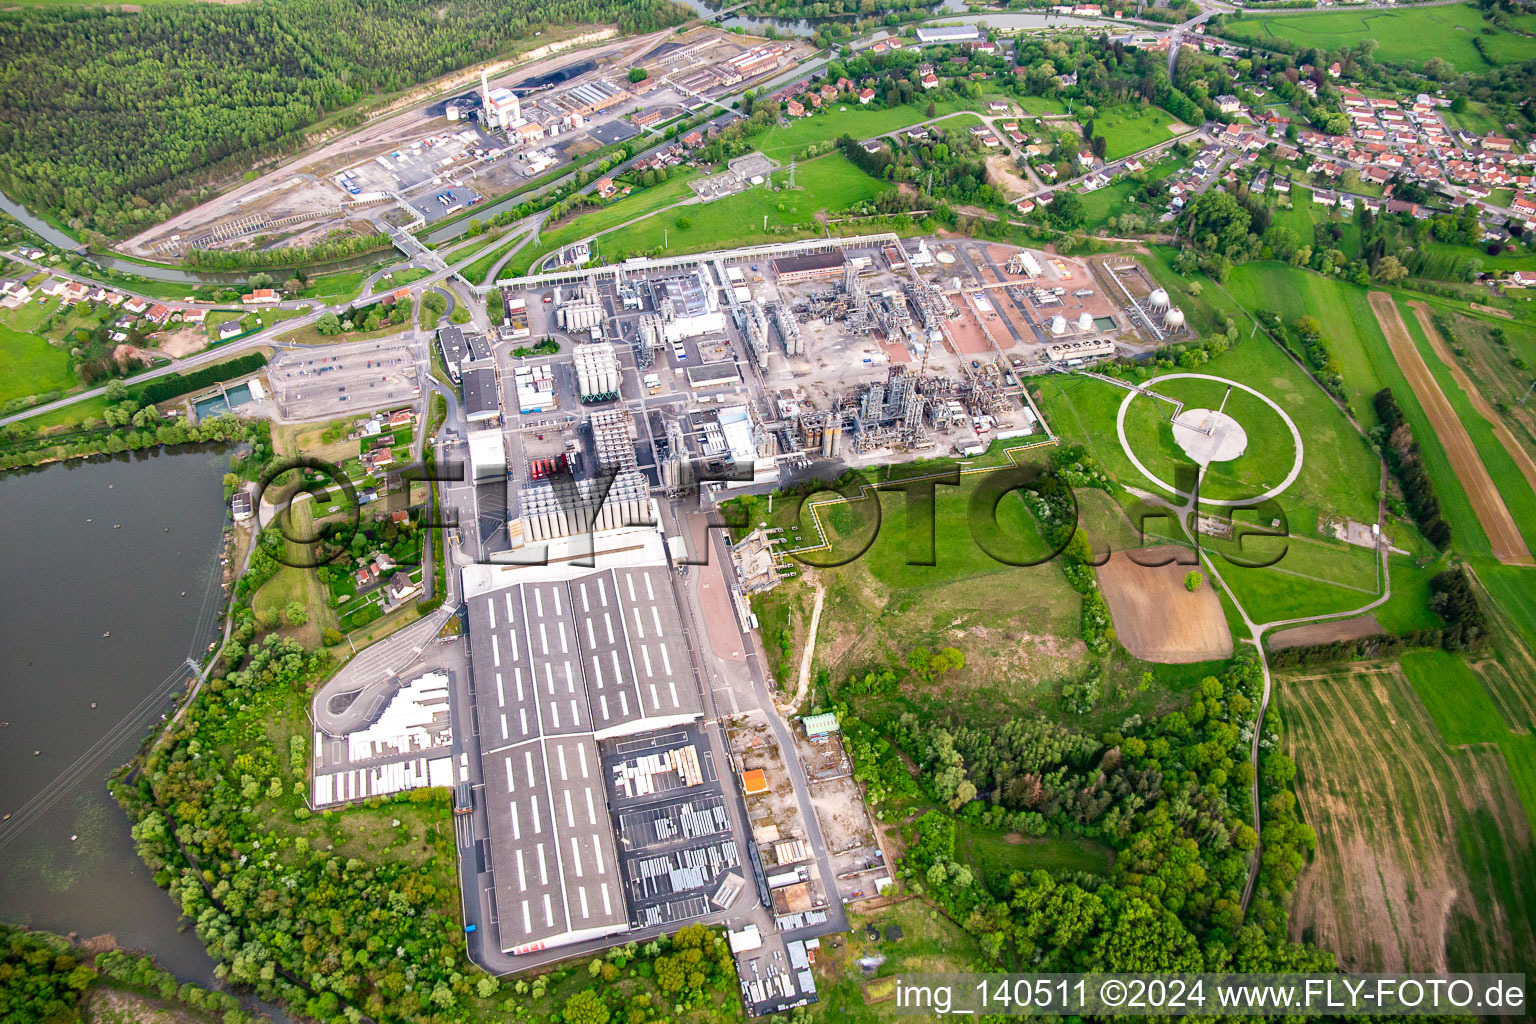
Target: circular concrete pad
<point>1130,453</point>
<point>1208,436</point>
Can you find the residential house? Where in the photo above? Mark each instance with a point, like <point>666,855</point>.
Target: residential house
<point>866,95</point>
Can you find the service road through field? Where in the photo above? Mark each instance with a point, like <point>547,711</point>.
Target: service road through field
<point>1503,536</point>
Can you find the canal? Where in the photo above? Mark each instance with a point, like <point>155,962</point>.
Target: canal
<point>128,546</point>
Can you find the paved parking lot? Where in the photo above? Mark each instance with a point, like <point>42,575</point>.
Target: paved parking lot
<point>313,383</point>
<point>446,201</point>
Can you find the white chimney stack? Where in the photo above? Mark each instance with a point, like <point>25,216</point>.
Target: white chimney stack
<point>485,88</point>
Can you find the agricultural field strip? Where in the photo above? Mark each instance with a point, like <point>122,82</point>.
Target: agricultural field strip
<point>1504,537</point>
<point>1516,450</point>
<point>867,490</point>
<point>1334,720</point>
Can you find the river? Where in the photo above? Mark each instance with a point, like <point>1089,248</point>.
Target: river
<point>128,545</point>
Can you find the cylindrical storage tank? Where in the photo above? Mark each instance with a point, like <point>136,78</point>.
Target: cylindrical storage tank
<point>453,111</point>
<point>1159,299</point>
<point>1085,322</point>
<point>1173,320</point>
<point>1059,325</point>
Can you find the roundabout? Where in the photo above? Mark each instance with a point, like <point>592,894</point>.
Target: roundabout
<point>1209,436</point>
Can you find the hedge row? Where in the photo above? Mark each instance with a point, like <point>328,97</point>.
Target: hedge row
<point>174,385</point>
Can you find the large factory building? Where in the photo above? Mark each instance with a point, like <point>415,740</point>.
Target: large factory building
<point>810,267</point>
<point>560,666</point>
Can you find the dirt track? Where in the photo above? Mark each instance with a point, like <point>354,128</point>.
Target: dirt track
<point>1503,537</point>
<point>1155,617</point>
<point>1326,632</point>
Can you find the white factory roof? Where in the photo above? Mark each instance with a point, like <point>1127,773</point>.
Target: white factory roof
<point>736,425</point>
<point>416,718</point>
<point>559,665</point>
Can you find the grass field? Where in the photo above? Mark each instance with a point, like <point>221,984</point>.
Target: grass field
<point>343,285</point>
<point>477,270</point>
<point>1490,365</point>
<point>1424,860</point>
<point>1407,36</point>
<point>1355,339</point>
<point>1339,474</point>
<point>1462,710</point>
<point>29,365</point>
<point>829,183</point>
<point>1130,129</point>
<point>604,218</point>
<point>995,855</point>
<point>1017,625</point>
<point>930,942</point>
<point>1115,199</point>
<point>784,143</point>
<point>1270,453</point>
<point>1352,333</point>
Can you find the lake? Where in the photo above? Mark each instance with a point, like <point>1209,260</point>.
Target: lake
<point>127,545</point>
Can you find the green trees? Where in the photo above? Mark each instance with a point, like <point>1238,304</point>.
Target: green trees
<point>433,305</point>
<point>1193,580</point>
<point>1170,795</point>
<point>637,75</point>
<point>295,613</point>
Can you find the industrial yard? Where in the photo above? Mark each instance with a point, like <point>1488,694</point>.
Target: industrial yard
<point>477,142</point>
<point>754,364</point>
<point>617,763</point>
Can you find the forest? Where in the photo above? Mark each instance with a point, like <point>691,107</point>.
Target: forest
<point>45,977</point>
<point>111,120</point>
<point>1170,795</point>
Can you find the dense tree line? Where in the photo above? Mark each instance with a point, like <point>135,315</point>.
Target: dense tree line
<point>43,977</point>
<point>1451,596</point>
<point>174,385</point>
<point>128,430</point>
<point>112,119</point>
<point>1407,464</point>
<point>339,245</point>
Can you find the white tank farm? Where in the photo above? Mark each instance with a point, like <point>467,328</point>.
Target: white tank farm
<point>1085,322</point>
<point>1059,325</point>
<point>1173,320</point>
<point>1159,299</point>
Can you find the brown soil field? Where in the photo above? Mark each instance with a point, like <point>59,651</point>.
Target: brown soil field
<point>1002,172</point>
<point>1416,843</point>
<point>1155,617</point>
<point>1503,537</point>
<point>1326,632</point>
<point>1478,399</point>
<point>184,342</point>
